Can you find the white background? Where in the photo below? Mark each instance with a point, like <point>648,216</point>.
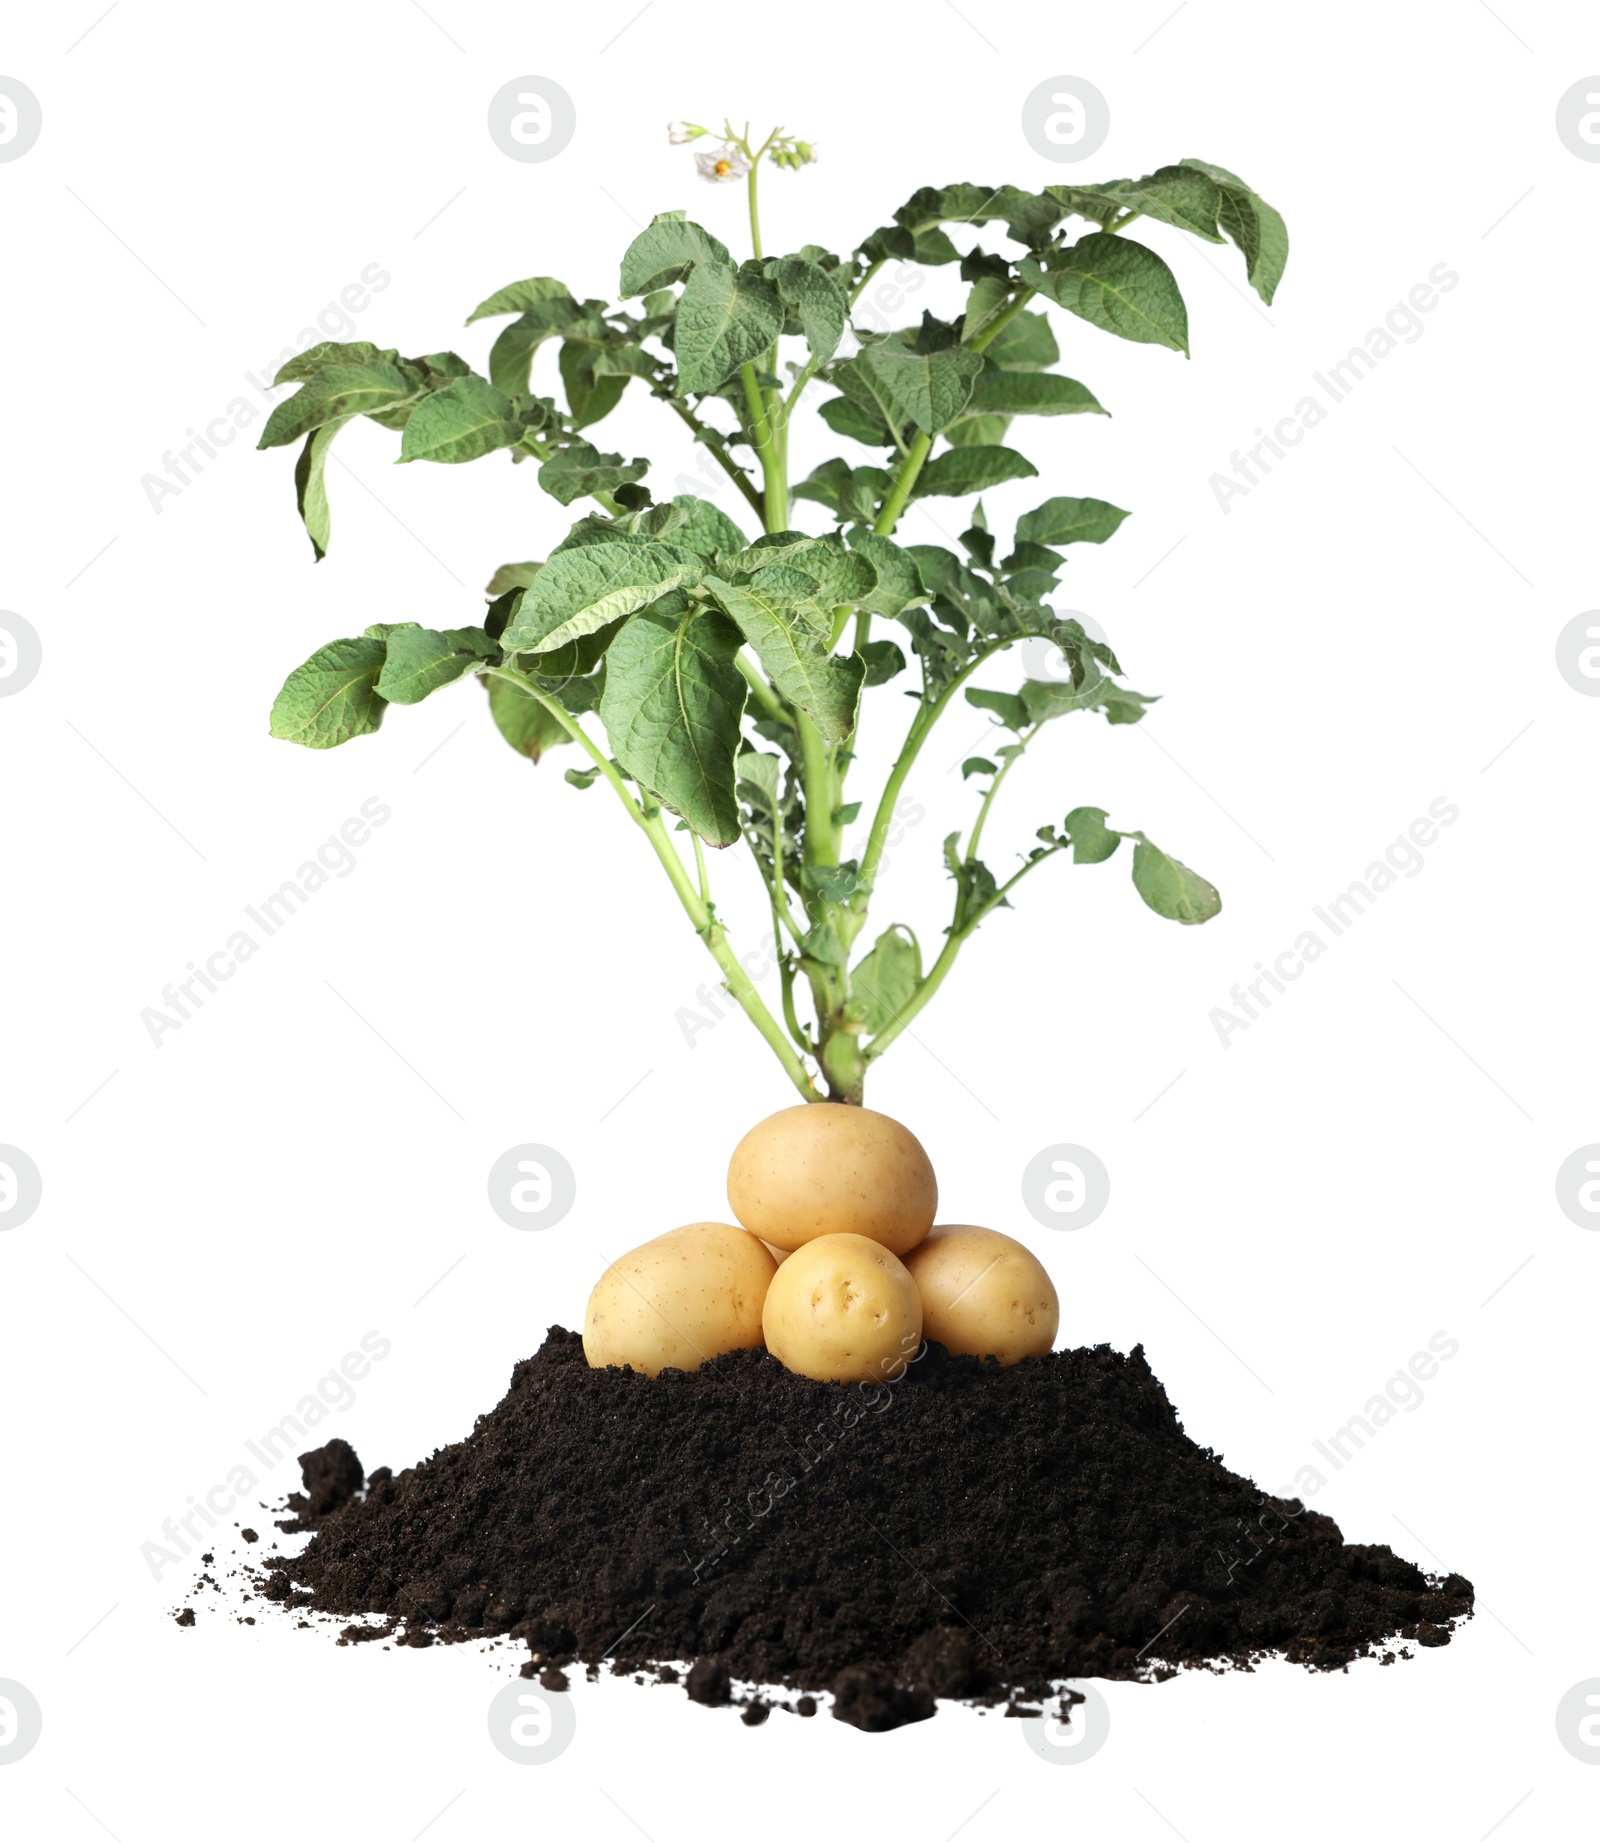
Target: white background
<point>1374,627</point>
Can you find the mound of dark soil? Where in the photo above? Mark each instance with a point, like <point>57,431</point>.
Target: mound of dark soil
<point>968,1531</point>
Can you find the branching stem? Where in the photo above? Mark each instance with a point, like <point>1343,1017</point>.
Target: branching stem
<point>695,904</point>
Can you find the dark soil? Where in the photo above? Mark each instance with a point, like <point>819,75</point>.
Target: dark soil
<point>968,1532</point>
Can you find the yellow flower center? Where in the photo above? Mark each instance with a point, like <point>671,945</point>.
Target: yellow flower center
<point>724,168</point>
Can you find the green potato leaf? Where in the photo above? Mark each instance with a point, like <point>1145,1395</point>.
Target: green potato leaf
<point>625,361</point>
<point>770,548</point>
<point>1258,230</point>
<point>815,299</point>
<point>1005,705</point>
<point>972,470</point>
<point>525,723</point>
<point>665,252</point>
<point>466,419</point>
<point>1024,344</point>
<point>1029,555</point>
<point>331,352</point>
<point>933,246</point>
<point>1115,284</point>
<point>580,468</point>
<point>789,630</point>
<point>520,297</point>
<point>672,706</point>
<point>1187,197</point>
<point>851,494</point>
<point>821,943</point>
<point>333,697</point>
<point>581,590</point>
<point>929,389</point>
<point>1093,841</point>
<point>861,423</point>
<point>988,295</point>
<point>883,660</point>
<point>1172,889</point>
<point>589,398</point>
<point>831,882</point>
<point>577,659</point>
<point>334,394</point>
<point>511,355</point>
<point>838,576</point>
<point>510,576</point>
<point>1070,521</point>
<point>726,317</point>
<point>311,486</point>
<point>421,660</point>
<point>1031,393</point>
<point>704,528</point>
<point>898,585</point>
<point>977,431</point>
<point>1045,698</point>
<point>844,577</point>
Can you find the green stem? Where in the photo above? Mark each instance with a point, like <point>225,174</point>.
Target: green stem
<point>900,488</point>
<point>781,918</point>
<point>769,451</point>
<point>790,1015</point>
<point>700,870</point>
<point>994,788</point>
<point>936,973</point>
<point>735,977</point>
<point>822,839</point>
<point>750,188</point>
<point>730,467</point>
<point>861,286</point>
<point>695,906</point>
<point>765,696</point>
<point>1003,319</point>
<point>808,372</point>
<point>922,724</point>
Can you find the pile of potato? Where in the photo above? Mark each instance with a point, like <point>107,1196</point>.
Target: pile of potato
<point>838,1268</point>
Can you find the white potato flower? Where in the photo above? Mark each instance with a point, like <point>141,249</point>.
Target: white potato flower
<point>725,164</point>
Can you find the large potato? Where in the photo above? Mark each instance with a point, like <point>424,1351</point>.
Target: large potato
<point>679,1300</point>
<point>983,1294</point>
<point>828,1169</point>
<point>843,1309</point>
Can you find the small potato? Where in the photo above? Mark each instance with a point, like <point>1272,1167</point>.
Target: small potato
<point>679,1300</point>
<point>828,1169</point>
<point>983,1294</point>
<point>843,1309</point>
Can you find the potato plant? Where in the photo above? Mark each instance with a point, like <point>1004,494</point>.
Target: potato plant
<point>711,671</point>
